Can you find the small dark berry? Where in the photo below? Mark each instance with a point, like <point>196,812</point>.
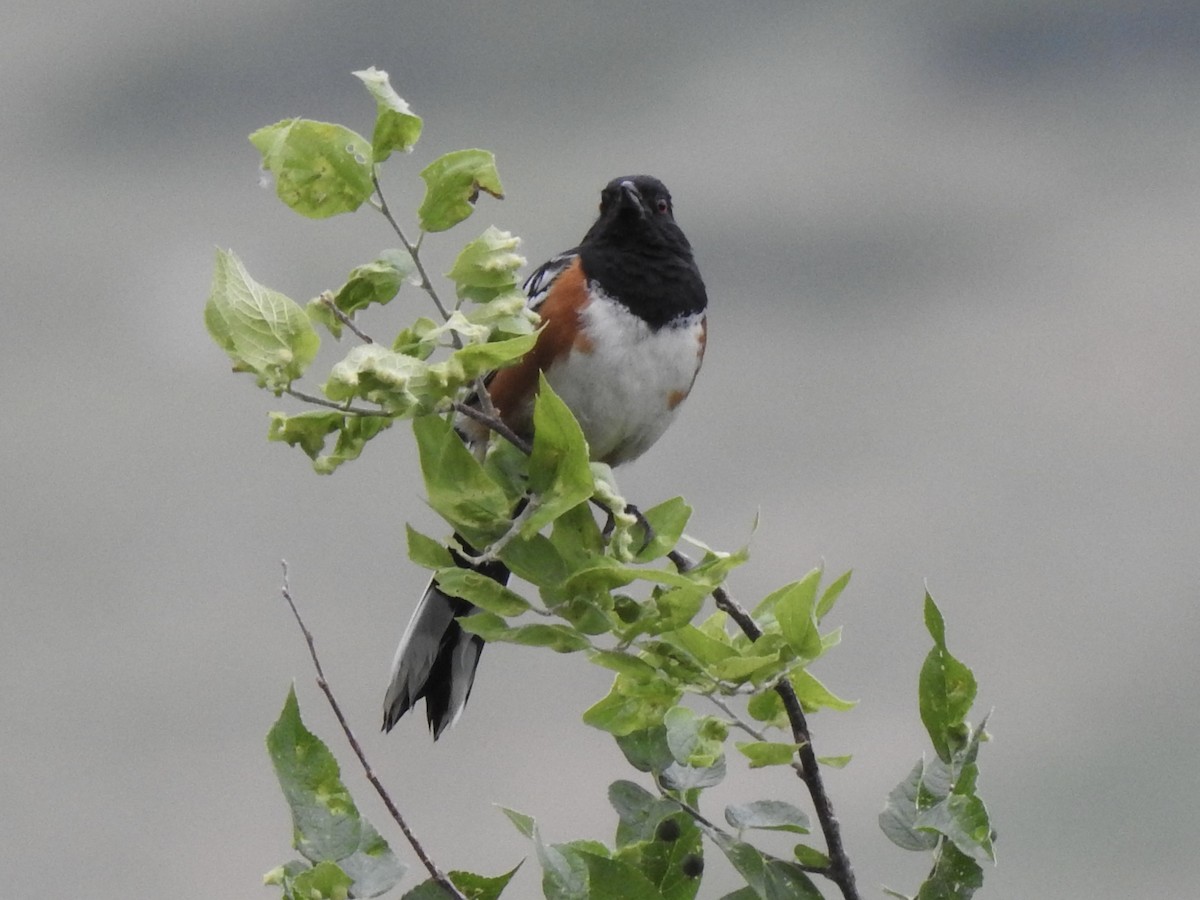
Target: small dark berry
<point>668,831</point>
<point>693,866</point>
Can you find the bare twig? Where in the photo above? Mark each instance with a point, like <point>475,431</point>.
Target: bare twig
<point>839,870</point>
<point>741,723</point>
<point>437,874</point>
<point>414,250</point>
<point>496,424</point>
<point>327,299</point>
<point>340,407</point>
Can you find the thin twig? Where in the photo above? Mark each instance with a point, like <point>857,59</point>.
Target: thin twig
<point>437,874</point>
<point>340,407</point>
<point>495,424</point>
<point>414,250</point>
<point>839,870</point>
<point>739,722</point>
<point>687,808</point>
<point>485,399</point>
<point>715,831</point>
<point>327,299</point>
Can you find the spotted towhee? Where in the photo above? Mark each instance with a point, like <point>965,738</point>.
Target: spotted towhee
<point>622,338</point>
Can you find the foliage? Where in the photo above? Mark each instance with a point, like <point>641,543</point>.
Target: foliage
<point>936,808</point>
<point>684,676</point>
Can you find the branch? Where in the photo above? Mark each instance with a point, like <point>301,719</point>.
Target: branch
<point>414,250</point>
<point>496,424</point>
<point>327,299</point>
<point>440,877</point>
<point>839,870</point>
<point>340,407</point>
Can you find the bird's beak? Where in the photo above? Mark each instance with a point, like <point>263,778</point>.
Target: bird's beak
<point>631,198</point>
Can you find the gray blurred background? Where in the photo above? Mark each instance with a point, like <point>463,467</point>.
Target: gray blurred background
<point>951,250</point>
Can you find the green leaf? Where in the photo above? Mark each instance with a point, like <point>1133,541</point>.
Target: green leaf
<point>488,266</point>
<point>955,876</point>
<point>472,886</point>
<point>396,126</point>
<point>418,340</point>
<point>379,375</point>
<point>800,594</point>
<point>285,875</point>
<point>946,690</point>
<point>768,753</point>
<point>696,741</point>
<point>771,815</point>
<point>624,663</point>
<point>535,559</point>
<point>744,668</point>
<point>658,839</point>
<point>481,591</point>
<point>425,551</point>
<point>632,705</point>
<point>578,539</point>
<point>677,777</point>
<point>326,824</point>
<point>458,488</point>
<point>677,606</point>
<point>611,879</point>
<point>795,607</point>
<point>263,331</point>
<point>815,696</point>
<point>646,750</point>
<point>767,706</point>
<point>525,824</point>
<point>453,182</point>
<point>767,877</point>
<point>835,762</point>
<point>559,638</point>
<point>320,169</point>
<point>668,519</point>
<point>810,856</point>
<point>899,817</point>
<point>309,431</point>
<point>705,648</point>
<point>324,881</point>
<point>559,470</point>
<point>639,811</point>
<point>374,282</point>
<point>825,604</point>
<point>468,363</point>
<point>964,820</point>
<point>564,872</point>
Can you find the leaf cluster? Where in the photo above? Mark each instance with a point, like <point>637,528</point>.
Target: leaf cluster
<point>321,170</point>
<point>937,807</point>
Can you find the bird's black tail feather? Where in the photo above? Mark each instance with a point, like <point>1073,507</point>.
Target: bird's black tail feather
<point>436,659</point>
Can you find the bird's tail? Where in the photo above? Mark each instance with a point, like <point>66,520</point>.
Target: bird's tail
<point>436,659</point>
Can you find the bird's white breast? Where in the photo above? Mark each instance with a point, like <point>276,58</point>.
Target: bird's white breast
<point>625,383</point>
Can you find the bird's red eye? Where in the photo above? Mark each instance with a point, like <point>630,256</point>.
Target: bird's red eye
<point>663,205</point>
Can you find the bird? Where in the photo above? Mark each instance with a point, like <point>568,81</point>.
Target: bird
<point>622,337</point>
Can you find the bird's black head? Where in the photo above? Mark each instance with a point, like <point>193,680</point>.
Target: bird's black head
<point>638,255</point>
<point>637,210</point>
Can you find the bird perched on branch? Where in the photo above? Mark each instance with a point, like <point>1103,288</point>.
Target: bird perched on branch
<point>623,335</point>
